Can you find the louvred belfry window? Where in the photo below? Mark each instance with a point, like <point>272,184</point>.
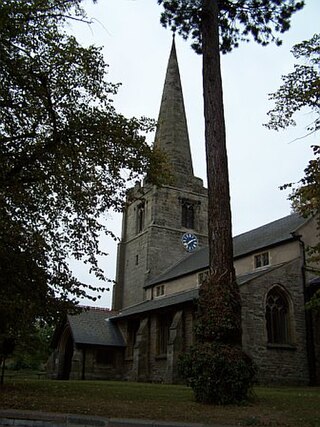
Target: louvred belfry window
<point>187,214</point>
<point>140,217</point>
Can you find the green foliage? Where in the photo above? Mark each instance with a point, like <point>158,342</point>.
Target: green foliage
<point>219,312</point>
<point>66,158</point>
<point>300,88</point>
<point>218,373</point>
<point>33,352</point>
<point>238,21</point>
<point>7,346</point>
<point>216,368</point>
<point>314,303</point>
<point>305,198</point>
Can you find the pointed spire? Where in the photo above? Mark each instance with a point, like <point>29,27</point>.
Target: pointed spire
<point>172,130</point>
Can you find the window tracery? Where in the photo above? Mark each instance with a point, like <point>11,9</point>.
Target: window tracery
<point>278,317</point>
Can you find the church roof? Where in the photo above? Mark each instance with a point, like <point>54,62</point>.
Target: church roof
<point>268,235</point>
<point>198,260</point>
<point>93,327</point>
<point>158,303</point>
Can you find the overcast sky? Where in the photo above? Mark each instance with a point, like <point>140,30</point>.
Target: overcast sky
<point>136,48</point>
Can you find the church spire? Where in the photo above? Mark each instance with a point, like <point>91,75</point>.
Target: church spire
<point>172,130</point>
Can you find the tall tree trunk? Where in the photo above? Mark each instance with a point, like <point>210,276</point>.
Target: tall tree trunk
<point>220,306</point>
<point>216,367</point>
<point>2,365</point>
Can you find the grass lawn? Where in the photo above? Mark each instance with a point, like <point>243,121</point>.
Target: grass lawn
<point>280,406</point>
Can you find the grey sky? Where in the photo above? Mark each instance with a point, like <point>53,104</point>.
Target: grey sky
<point>136,48</point>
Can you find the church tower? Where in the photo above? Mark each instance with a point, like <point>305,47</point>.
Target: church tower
<point>161,224</point>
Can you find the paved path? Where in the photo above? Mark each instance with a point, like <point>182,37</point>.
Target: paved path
<point>18,418</point>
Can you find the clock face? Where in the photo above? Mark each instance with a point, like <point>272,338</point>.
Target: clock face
<point>189,241</point>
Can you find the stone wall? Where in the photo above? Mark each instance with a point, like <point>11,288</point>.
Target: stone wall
<point>278,364</point>
<point>144,254</point>
<point>104,363</point>
<point>282,364</point>
<point>147,364</point>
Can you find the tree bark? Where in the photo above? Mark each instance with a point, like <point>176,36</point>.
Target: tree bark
<point>222,273</point>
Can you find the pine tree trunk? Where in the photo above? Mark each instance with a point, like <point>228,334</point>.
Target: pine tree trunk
<point>216,367</point>
<point>222,284</point>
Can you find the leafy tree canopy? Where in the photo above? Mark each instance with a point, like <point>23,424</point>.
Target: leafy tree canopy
<point>301,90</point>
<point>305,197</point>
<point>66,156</point>
<point>239,20</point>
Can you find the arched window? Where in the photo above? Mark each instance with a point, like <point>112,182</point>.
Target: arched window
<point>278,317</point>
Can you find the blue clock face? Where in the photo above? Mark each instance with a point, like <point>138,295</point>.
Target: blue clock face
<point>189,241</point>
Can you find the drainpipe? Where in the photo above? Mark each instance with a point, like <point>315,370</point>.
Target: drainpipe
<point>308,317</point>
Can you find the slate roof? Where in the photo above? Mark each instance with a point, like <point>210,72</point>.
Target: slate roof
<point>93,327</point>
<point>245,278</point>
<point>196,261</point>
<point>158,303</point>
<point>268,235</point>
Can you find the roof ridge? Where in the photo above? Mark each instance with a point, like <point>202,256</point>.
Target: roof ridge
<point>100,309</point>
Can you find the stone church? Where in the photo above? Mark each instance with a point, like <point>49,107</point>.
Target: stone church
<point>163,259</point>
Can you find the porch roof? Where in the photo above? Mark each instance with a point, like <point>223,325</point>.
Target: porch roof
<point>158,303</point>
<point>93,327</point>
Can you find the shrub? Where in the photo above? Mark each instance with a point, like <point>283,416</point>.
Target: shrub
<point>218,373</point>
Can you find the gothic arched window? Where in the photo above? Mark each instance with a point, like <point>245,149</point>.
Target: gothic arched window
<point>278,317</point>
